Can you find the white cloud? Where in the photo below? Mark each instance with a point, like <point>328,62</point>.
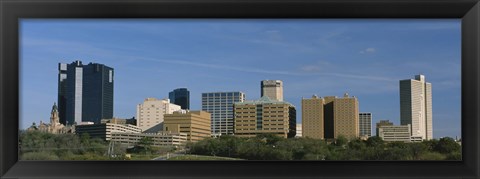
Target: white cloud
<point>314,69</point>
<point>368,50</point>
<point>223,67</point>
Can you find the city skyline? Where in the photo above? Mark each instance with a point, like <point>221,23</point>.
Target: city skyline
<point>366,62</point>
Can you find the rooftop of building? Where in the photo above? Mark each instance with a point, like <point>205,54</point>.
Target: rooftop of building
<point>224,92</point>
<point>345,95</point>
<point>264,100</point>
<point>183,111</point>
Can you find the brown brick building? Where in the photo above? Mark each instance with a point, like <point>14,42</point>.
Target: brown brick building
<point>196,124</point>
<point>265,116</point>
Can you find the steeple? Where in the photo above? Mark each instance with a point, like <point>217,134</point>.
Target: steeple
<point>54,107</point>
<point>54,120</point>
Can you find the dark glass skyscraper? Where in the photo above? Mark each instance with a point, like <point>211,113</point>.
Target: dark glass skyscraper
<point>85,92</point>
<point>181,97</point>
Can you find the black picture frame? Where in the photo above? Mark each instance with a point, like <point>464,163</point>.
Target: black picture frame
<point>13,10</point>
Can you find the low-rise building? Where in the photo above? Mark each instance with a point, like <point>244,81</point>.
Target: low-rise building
<point>299,130</point>
<point>131,121</point>
<point>392,133</point>
<point>104,131</point>
<point>55,127</point>
<point>159,139</point>
<point>380,124</point>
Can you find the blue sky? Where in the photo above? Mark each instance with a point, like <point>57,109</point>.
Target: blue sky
<point>365,58</point>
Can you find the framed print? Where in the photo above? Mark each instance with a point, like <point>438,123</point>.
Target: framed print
<point>239,89</point>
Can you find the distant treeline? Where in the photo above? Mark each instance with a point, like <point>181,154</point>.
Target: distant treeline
<point>36,145</point>
<point>270,147</point>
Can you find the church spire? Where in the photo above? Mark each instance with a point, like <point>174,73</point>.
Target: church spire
<point>54,107</point>
<point>54,115</point>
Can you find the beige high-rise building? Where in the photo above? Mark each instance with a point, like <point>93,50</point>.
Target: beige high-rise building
<point>273,89</point>
<point>312,117</point>
<point>330,117</point>
<point>196,124</point>
<point>265,116</point>
<point>151,112</point>
<point>345,117</point>
<point>416,106</point>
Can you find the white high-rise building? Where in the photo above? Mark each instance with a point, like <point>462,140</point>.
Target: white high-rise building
<point>220,106</point>
<point>150,112</point>
<point>365,124</point>
<point>416,106</point>
<point>273,89</point>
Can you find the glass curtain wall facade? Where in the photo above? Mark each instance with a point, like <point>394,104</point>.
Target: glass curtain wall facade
<point>181,97</point>
<point>85,92</point>
<point>220,106</point>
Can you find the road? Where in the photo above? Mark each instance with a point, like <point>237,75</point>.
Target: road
<point>170,155</point>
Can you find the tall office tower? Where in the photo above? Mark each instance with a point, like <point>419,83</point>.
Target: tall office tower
<point>341,117</point>
<point>312,117</point>
<point>365,124</point>
<point>85,92</point>
<point>220,106</point>
<point>265,116</point>
<point>416,106</point>
<point>273,89</point>
<point>180,96</point>
<point>380,124</point>
<point>345,117</point>
<point>150,113</point>
<point>196,124</point>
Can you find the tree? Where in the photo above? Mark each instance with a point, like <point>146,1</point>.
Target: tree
<point>397,144</point>
<point>431,144</point>
<point>357,144</point>
<point>454,156</point>
<point>146,143</point>
<point>375,141</point>
<point>432,156</point>
<point>85,138</point>
<point>39,156</point>
<point>341,141</point>
<point>417,149</point>
<point>270,139</point>
<point>447,145</point>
